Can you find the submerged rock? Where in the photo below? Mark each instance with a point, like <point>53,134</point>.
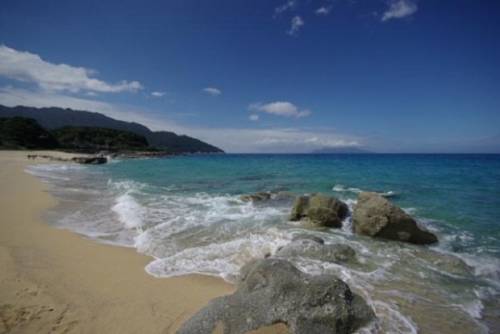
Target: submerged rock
<point>256,197</point>
<point>375,216</point>
<point>273,291</point>
<point>268,195</point>
<point>448,263</point>
<point>311,237</point>
<point>319,210</point>
<point>283,196</point>
<point>336,253</point>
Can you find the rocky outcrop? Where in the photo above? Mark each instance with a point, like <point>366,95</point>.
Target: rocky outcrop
<point>319,210</point>
<point>87,160</point>
<point>90,160</point>
<point>375,216</point>
<point>273,291</point>
<point>48,157</point>
<point>310,248</point>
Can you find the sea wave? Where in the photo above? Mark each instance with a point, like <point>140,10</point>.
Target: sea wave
<point>215,234</point>
<point>222,259</point>
<point>129,211</point>
<point>49,172</point>
<point>342,189</point>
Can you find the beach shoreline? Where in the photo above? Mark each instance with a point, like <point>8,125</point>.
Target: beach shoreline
<point>56,281</point>
<point>94,276</point>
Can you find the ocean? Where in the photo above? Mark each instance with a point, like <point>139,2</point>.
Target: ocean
<point>186,213</point>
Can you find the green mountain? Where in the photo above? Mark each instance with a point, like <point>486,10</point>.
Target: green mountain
<point>26,133</point>
<point>54,118</point>
<point>21,133</point>
<point>99,139</point>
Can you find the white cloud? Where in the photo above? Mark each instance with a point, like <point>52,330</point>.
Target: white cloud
<point>29,67</point>
<point>323,10</point>
<point>399,9</point>
<point>253,117</point>
<point>158,94</point>
<point>296,23</point>
<point>280,108</point>
<point>212,91</point>
<point>278,140</point>
<point>285,7</point>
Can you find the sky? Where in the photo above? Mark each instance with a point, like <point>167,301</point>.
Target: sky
<point>282,76</point>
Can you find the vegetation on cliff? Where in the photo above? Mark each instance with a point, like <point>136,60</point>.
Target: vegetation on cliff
<point>99,139</point>
<point>56,118</point>
<point>24,133</point>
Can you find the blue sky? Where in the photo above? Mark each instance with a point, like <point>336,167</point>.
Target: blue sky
<point>266,75</point>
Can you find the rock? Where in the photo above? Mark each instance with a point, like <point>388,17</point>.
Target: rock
<point>336,253</point>
<point>257,197</point>
<point>280,196</point>
<point>48,157</point>
<point>273,291</point>
<point>299,208</point>
<point>319,210</point>
<point>90,160</point>
<point>375,216</point>
<point>283,196</point>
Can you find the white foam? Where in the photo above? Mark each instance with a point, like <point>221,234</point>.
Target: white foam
<point>129,211</point>
<point>341,189</point>
<point>394,321</point>
<point>410,211</point>
<point>126,185</point>
<point>219,259</point>
<point>473,308</point>
<point>389,193</point>
<point>485,266</point>
<point>59,167</point>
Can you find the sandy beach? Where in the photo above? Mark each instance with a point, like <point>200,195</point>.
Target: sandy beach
<point>55,281</point>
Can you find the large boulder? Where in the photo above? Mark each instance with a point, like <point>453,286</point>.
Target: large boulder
<point>375,216</point>
<point>312,249</point>
<point>319,210</point>
<point>273,291</point>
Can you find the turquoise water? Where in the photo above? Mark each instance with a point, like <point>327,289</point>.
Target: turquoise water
<point>456,191</point>
<point>186,213</point>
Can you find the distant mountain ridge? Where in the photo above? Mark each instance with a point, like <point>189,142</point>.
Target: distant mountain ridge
<point>341,150</point>
<point>54,117</point>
